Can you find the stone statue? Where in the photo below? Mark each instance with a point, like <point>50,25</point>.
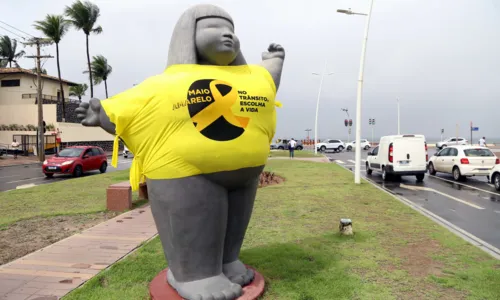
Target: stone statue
<point>202,154</point>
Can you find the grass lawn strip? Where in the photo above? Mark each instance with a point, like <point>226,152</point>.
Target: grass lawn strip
<point>31,219</point>
<point>396,253</point>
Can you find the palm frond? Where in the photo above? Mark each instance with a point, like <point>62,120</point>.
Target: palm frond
<point>53,26</point>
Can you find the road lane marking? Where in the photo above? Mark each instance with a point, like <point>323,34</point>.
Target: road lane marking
<point>469,186</point>
<point>339,161</point>
<point>350,160</point>
<point>25,179</point>
<point>423,188</point>
<point>10,176</point>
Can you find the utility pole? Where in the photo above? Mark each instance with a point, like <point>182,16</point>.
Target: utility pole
<point>399,127</point>
<point>38,42</point>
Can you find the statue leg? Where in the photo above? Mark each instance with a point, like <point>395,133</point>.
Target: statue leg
<point>191,215</point>
<point>242,187</point>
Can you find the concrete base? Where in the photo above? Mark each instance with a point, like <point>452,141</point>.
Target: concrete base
<point>159,289</point>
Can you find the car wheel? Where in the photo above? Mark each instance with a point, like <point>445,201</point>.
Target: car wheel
<point>349,148</point>
<point>496,181</point>
<point>322,149</point>
<point>340,148</point>
<point>367,147</point>
<point>281,148</point>
<point>420,177</point>
<point>457,175</point>
<point>368,170</point>
<point>103,167</point>
<point>49,175</point>
<point>444,146</point>
<point>299,148</point>
<point>384,174</point>
<point>432,171</point>
<point>78,171</point>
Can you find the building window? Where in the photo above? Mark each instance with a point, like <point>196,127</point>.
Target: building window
<point>11,82</point>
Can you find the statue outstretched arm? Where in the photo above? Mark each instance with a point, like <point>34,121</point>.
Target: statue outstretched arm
<point>273,61</point>
<point>92,114</point>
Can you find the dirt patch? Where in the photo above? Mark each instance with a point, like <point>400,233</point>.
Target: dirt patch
<point>269,178</point>
<point>24,237</point>
<point>416,258</point>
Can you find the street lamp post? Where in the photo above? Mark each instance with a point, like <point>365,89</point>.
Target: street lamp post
<point>317,107</point>
<point>357,167</point>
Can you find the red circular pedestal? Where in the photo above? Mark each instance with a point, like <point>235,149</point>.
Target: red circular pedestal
<point>159,289</point>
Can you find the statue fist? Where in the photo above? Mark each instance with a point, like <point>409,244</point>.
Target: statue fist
<point>88,112</point>
<point>274,51</point>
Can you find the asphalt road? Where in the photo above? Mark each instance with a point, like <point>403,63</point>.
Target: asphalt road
<point>31,175</point>
<point>473,205</point>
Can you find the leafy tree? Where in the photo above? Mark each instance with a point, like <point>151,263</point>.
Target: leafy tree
<point>78,91</point>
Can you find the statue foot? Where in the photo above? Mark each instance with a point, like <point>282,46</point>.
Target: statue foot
<point>212,288</point>
<point>238,273</point>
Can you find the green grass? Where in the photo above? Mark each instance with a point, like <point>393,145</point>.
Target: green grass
<point>297,153</point>
<point>292,240</point>
<point>75,196</point>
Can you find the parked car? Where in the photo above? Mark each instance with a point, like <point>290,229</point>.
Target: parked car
<point>126,152</point>
<point>452,141</point>
<point>283,145</point>
<point>463,161</point>
<point>400,155</point>
<point>365,145</point>
<point>495,176</point>
<point>76,160</point>
<point>335,145</point>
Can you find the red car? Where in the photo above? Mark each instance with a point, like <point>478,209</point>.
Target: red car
<point>76,160</point>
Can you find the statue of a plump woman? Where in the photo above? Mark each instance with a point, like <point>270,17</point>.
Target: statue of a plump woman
<point>200,132</point>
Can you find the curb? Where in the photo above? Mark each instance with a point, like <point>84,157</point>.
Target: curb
<point>468,237</point>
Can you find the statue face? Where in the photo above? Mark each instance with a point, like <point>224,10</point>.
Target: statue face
<point>216,42</point>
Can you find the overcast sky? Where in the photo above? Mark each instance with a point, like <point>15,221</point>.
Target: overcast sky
<point>439,57</point>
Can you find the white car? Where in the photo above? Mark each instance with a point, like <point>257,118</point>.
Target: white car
<point>452,141</point>
<point>399,155</point>
<point>335,145</point>
<point>365,145</point>
<point>495,176</point>
<point>463,161</point>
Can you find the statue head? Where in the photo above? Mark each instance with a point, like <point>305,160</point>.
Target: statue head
<point>204,34</point>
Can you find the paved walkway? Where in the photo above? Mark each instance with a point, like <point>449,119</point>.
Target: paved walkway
<point>55,270</point>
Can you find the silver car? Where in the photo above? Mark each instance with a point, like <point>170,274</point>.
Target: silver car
<point>452,141</point>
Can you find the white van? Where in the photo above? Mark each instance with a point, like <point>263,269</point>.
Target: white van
<point>400,155</point>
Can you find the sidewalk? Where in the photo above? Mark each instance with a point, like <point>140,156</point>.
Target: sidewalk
<point>55,270</point>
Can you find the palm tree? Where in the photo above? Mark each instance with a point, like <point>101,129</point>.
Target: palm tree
<point>83,16</point>
<point>55,27</point>
<point>8,50</point>
<point>78,91</point>
<point>101,71</point>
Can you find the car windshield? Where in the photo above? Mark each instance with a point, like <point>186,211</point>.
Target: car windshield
<point>70,152</point>
<point>478,152</point>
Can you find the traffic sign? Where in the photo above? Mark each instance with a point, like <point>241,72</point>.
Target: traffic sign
<point>442,131</point>
<point>474,129</point>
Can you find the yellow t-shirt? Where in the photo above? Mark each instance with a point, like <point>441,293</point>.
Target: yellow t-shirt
<point>195,119</point>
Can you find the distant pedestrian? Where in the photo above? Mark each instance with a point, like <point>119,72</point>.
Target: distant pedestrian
<point>482,142</point>
<point>15,146</point>
<point>291,147</point>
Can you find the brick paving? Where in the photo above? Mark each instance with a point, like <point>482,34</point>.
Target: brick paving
<point>52,272</point>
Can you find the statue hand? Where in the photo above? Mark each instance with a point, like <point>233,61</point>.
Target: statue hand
<point>274,51</point>
<point>88,113</point>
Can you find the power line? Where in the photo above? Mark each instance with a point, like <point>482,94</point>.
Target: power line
<point>12,32</point>
<point>17,29</point>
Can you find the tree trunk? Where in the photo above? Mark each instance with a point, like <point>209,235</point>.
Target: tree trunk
<point>61,84</point>
<point>106,87</point>
<point>10,64</point>
<point>90,69</point>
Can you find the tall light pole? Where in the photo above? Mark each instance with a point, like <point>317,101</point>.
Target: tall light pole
<point>317,107</point>
<point>399,123</point>
<point>308,130</point>
<point>357,167</point>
